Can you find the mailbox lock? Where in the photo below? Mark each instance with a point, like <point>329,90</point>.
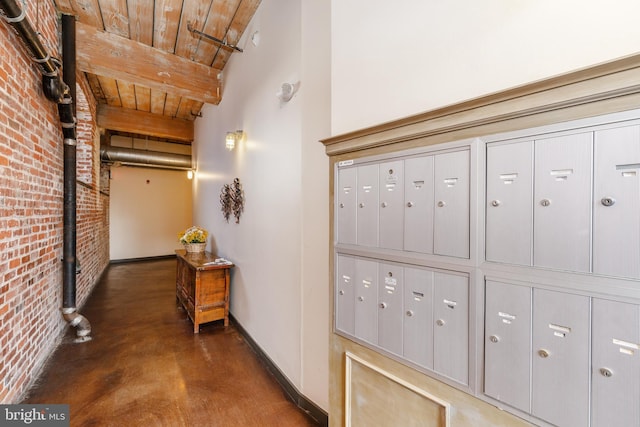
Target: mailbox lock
<point>440,322</point>
<point>441,204</point>
<point>606,372</point>
<point>342,205</point>
<point>494,338</point>
<point>409,313</point>
<point>495,203</point>
<point>409,204</point>
<point>362,205</point>
<point>543,353</point>
<point>341,292</point>
<point>383,204</point>
<point>545,202</point>
<point>360,298</point>
<point>383,305</point>
<point>608,201</point>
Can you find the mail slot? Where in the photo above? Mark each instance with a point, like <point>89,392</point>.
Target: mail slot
<point>391,279</point>
<point>451,326</point>
<point>344,299</point>
<point>616,229</point>
<point>346,205</point>
<point>418,216</point>
<point>561,330</point>
<point>508,344</point>
<point>366,301</point>
<point>562,208</point>
<point>391,208</point>
<point>616,363</point>
<point>417,327</point>
<point>509,202</point>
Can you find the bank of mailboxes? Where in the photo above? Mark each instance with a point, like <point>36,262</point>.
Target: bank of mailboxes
<point>417,204</point>
<point>567,359</point>
<point>569,201</point>
<point>417,314</point>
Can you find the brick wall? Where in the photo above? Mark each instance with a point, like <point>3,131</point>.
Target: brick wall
<point>31,204</point>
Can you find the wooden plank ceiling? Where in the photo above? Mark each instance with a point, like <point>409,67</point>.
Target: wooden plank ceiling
<point>149,73</point>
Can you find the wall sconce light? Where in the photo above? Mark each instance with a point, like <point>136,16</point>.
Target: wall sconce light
<point>232,138</point>
<point>190,174</point>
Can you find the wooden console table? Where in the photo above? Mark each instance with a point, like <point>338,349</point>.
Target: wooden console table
<point>202,287</point>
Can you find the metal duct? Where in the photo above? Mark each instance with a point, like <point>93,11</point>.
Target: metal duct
<point>130,156</point>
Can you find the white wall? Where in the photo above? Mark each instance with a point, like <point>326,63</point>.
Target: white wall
<point>279,290</point>
<point>147,209</point>
<point>394,59</point>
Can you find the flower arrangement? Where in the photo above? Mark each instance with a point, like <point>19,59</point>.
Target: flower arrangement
<point>193,235</point>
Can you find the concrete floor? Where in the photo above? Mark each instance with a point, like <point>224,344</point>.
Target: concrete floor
<point>146,367</point>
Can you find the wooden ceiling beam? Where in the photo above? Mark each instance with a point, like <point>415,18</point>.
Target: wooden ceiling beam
<point>116,57</point>
<point>143,123</point>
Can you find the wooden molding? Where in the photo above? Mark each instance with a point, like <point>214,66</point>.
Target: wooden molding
<point>443,418</point>
<point>605,88</point>
<point>139,122</point>
<point>117,57</point>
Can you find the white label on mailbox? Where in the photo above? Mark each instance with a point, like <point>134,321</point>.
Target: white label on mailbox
<point>366,283</point>
<point>346,190</point>
<point>561,174</point>
<point>390,187</point>
<point>451,181</point>
<point>449,303</point>
<point>506,317</point>
<point>367,188</point>
<point>345,163</point>
<point>626,344</point>
<point>629,166</point>
<point>508,178</point>
<point>559,331</point>
<point>390,281</point>
<point>346,278</point>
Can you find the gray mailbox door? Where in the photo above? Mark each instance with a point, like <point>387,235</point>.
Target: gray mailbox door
<point>616,228</point>
<point>418,316</point>
<point>451,326</point>
<point>560,374</point>
<point>367,217</point>
<point>507,344</point>
<point>509,229</point>
<point>345,282</point>
<point>418,217</point>
<point>346,209</point>
<point>366,301</point>
<point>562,204</point>
<point>391,204</point>
<point>451,217</point>
<point>616,364</point>
<point>390,307</point>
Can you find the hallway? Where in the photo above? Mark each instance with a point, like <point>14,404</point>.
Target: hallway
<point>145,367</point>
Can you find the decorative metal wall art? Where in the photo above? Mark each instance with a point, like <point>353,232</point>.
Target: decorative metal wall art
<point>232,200</point>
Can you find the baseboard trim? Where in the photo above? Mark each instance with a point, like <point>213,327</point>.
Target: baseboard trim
<point>151,258</point>
<point>317,414</point>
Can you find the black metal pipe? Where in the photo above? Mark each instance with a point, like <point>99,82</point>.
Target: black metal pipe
<point>67,116</point>
<point>69,55</point>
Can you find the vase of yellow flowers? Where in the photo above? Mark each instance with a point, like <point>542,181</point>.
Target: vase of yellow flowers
<point>194,239</point>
